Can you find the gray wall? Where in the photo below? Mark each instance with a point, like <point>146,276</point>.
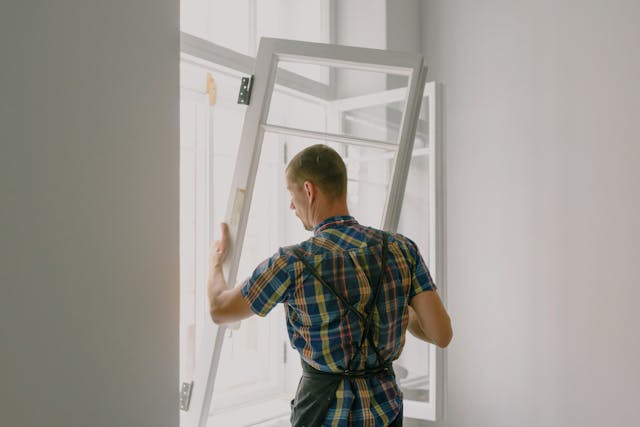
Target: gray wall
<point>89,213</point>
<point>542,136</point>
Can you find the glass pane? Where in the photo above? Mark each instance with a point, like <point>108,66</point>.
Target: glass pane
<point>379,122</point>
<point>251,358</point>
<point>292,111</point>
<point>269,201</point>
<point>394,110</point>
<point>272,224</point>
<point>369,172</point>
<point>412,368</point>
<point>383,121</point>
<point>369,117</point>
<point>319,73</point>
<point>250,366</point>
<point>252,355</point>
<point>368,175</point>
<point>414,216</point>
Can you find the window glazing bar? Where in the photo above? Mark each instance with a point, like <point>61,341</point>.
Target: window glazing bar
<point>344,139</point>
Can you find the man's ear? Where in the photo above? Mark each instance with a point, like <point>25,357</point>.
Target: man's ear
<point>311,190</point>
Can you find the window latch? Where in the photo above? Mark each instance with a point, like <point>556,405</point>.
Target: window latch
<point>245,90</point>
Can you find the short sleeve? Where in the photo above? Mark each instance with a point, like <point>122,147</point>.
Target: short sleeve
<point>420,277</point>
<point>268,285</point>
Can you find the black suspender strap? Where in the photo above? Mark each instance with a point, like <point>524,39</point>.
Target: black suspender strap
<point>366,322</point>
<point>367,332</point>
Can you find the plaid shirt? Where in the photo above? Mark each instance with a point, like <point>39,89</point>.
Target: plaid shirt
<point>326,335</point>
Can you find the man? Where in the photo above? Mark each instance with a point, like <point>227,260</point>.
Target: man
<point>350,293</point>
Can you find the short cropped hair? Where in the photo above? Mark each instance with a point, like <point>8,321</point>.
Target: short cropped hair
<point>322,166</point>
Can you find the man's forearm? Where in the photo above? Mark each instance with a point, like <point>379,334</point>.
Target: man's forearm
<point>415,328</point>
<point>216,284</point>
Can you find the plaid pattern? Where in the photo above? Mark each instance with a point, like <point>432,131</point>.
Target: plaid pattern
<point>326,335</point>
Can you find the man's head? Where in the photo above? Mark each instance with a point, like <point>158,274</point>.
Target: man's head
<point>317,180</point>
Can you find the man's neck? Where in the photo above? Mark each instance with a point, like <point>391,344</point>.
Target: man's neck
<point>325,214</point>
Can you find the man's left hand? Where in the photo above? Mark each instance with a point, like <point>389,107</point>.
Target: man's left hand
<point>219,248</point>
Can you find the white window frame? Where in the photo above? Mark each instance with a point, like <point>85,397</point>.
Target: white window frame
<point>198,49</point>
<point>434,409</point>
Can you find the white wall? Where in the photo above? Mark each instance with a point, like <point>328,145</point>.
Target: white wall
<point>359,23</point>
<point>542,137</point>
<point>89,213</point>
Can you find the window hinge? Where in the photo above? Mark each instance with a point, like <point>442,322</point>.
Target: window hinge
<point>185,395</point>
<point>245,90</point>
<point>284,352</point>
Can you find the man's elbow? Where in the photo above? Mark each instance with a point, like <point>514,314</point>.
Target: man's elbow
<point>219,308</point>
<point>218,312</point>
<point>444,337</point>
<point>216,316</point>
<point>444,340</point>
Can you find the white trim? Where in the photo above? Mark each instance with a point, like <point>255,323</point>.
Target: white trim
<point>437,356</point>
<point>204,49</point>
<point>228,58</point>
<point>357,58</point>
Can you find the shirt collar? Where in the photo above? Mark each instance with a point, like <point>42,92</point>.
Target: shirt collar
<point>334,222</point>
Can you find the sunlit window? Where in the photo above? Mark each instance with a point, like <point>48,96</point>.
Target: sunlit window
<point>259,371</point>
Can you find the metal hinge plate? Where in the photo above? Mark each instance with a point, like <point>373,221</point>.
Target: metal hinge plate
<point>245,90</point>
<point>185,395</point>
